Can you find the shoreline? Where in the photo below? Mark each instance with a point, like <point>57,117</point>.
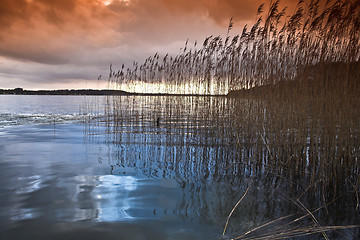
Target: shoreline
<point>92,92</point>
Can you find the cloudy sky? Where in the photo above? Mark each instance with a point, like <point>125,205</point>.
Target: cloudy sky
<point>56,44</point>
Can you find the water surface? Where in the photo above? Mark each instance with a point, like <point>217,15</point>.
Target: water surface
<point>76,167</point>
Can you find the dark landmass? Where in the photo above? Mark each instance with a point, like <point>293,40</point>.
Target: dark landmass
<point>20,91</point>
<point>282,88</point>
<point>104,92</point>
<point>323,79</point>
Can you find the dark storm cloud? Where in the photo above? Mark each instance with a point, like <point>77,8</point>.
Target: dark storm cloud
<point>49,31</point>
<point>39,35</point>
<point>11,11</point>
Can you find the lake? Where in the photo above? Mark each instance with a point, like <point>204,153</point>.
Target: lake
<point>152,167</point>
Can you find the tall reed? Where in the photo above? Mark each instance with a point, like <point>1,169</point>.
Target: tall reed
<point>304,151</point>
<point>317,47</point>
<point>299,135</point>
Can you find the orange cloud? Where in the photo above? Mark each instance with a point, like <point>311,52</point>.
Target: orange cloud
<point>92,34</point>
<point>48,30</point>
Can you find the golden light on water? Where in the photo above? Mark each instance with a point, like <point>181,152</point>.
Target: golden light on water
<point>186,88</point>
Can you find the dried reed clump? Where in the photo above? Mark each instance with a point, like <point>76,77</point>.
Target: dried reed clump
<point>301,132</point>
<point>317,47</point>
<point>307,149</point>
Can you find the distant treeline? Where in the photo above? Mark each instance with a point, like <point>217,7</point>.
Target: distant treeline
<point>104,92</point>
<point>20,91</point>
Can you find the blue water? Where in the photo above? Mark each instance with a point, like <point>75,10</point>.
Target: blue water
<point>153,168</point>
<point>56,184</point>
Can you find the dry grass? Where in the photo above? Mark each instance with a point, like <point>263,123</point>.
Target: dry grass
<point>288,227</point>
<point>317,47</point>
<point>297,127</point>
<point>307,149</point>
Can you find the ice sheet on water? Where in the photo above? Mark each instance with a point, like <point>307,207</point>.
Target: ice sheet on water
<point>22,119</point>
<point>23,109</point>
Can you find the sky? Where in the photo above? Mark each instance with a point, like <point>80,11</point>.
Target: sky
<point>59,44</point>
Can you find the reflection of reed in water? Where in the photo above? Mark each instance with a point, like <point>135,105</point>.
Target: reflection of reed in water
<point>215,146</point>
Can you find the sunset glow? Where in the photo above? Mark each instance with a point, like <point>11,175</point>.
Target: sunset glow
<point>133,119</point>
<point>70,43</point>
<point>107,2</point>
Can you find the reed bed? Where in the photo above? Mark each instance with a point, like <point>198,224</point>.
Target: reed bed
<point>306,150</point>
<point>315,48</point>
<point>294,131</point>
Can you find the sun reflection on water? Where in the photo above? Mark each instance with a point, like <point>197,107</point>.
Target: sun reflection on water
<point>104,198</point>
